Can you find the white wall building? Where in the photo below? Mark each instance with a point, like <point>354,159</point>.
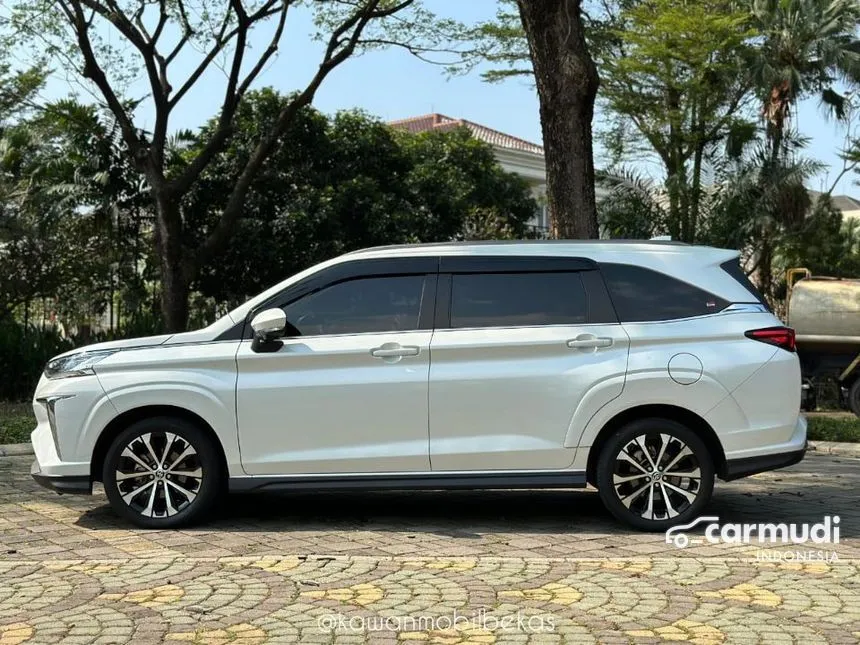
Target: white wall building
<point>849,206</point>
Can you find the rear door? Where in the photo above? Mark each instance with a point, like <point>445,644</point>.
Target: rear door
<point>519,342</point>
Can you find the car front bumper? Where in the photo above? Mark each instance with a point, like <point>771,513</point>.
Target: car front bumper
<point>73,484</point>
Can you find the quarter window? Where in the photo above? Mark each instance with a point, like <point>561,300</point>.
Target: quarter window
<point>517,299</point>
<point>380,304</point>
<point>641,294</point>
<point>733,268</point>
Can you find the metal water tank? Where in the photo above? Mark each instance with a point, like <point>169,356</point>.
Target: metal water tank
<point>825,308</point>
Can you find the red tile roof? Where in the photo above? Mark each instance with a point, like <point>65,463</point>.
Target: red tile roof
<point>481,132</point>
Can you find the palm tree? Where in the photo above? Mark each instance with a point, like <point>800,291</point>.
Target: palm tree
<point>807,47</point>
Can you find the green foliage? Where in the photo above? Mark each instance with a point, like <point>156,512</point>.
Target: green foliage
<point>23,353</point>
<point>343,183</point>
<point>16,422</point>
<point>831,428</point>
<point>824,243</point>
<point>628,209</point>
<point>805,47</point>
<point>499,43</point>
<point>674,79</point>
<point>749,195</point>
<point>69,213</point>
<point>18,91</point>
<point>499,48</point>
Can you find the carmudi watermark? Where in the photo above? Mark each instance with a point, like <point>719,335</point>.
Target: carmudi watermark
<point>815,537</point>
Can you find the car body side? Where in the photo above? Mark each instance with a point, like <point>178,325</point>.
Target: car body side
<point>745,395</point>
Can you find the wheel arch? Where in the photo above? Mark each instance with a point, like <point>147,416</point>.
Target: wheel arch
<point>662,411</point>
<point>127,418</point>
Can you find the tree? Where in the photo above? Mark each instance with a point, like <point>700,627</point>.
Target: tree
<point>567,82</point>
<point>343,183</point>
<point>806,47</point>
<point>157,35</point>
<point>675,79</point>
<point>500,42</point>
<point>45,245</point>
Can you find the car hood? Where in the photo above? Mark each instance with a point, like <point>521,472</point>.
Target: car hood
<point>204,335</point>
<point>126,343</point>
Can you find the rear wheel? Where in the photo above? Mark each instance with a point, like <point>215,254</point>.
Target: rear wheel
<point>162,472</point>
<point>654,474</point>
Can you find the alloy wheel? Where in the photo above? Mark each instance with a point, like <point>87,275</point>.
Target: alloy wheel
<point>159,474</point>
<point>656,476</point>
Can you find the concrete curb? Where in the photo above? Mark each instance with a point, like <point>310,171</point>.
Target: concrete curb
<point>819,447</point>
<point>835,448</point>
<point>15,449</point>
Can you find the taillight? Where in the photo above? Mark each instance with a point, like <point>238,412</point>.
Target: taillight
<point>782,337</point>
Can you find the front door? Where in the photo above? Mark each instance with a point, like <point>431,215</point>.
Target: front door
<point>347,392</point>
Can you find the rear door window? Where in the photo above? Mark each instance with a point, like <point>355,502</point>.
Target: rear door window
<point>641,294</point>
<point>517,299</point>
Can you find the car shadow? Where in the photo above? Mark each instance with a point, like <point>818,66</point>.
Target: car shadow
<point>474,514</point>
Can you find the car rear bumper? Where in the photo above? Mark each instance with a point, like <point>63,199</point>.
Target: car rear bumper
<point>737,468</point>
<point>72,484</point>
<point>767,457</point>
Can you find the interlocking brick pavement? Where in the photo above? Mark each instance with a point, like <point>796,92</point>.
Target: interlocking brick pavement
<point>464,567</point>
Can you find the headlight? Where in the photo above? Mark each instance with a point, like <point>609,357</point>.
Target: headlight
<point>79,364</point>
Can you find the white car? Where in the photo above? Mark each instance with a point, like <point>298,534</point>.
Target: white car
<point>646,369</point>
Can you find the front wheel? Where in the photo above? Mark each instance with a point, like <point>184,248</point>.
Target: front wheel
<point>654,474</point>
<point>162,472</point>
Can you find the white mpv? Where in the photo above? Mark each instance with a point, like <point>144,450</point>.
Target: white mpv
<point>646,369</point>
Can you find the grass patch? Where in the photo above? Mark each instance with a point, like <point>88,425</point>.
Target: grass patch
<point>842,428</point>
<point>16,422</point>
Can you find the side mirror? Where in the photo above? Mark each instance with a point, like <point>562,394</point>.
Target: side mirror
<point>269,324</point>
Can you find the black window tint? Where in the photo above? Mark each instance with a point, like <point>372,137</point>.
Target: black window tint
<point>733,268</point>
<point>642,294</point>
<point>380,304</point>
<point>517,299</point>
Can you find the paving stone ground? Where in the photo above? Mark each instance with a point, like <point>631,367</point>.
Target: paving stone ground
<point>429,567</point>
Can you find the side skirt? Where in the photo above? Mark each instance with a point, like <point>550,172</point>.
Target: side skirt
<point>410,481</point>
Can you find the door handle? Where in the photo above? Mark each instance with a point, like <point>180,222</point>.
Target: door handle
<point>388,351</point>
<point>592,342</point>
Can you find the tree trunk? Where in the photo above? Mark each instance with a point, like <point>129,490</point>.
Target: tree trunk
<point>696,190</point>
<point>567,82</point>
<point>765,268</point>
<point>174,273</point>
<point>174,295</point>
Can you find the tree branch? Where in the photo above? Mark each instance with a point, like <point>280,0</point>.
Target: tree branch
<point>339,48</point>
<point>157,82</point>
<point>234,93</point>
<point>92,70</point>
<point>222,39</point>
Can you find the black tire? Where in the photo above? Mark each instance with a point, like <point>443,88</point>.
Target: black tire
<point>854,397</point>
<point>168,506</point>
<point>635,507</point>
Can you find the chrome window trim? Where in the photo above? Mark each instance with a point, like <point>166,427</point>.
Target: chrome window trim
<point>745,308</point>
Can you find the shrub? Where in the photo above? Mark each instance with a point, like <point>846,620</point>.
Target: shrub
<point>23,354</point>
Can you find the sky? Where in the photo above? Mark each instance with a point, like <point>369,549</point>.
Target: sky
<point>392,84</point>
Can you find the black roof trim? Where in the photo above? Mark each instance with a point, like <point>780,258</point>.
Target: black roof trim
<point>513,264</point>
